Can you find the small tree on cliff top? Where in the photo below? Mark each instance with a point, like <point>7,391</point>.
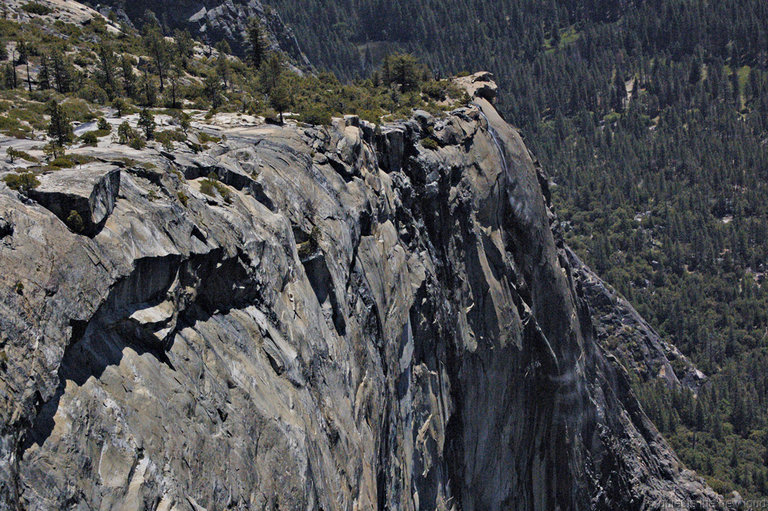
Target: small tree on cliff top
<point>59,128</point>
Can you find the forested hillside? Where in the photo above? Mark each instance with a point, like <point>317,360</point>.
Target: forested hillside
<point>652,119</point>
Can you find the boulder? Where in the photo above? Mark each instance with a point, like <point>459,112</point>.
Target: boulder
<point>479,85</point>
<point>350,144</point>
<point>90,191</point>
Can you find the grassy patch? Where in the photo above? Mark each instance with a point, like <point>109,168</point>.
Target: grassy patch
<point>62,162</point>
<point>14,153</point>
<point>204,138</point>
<point>430,143</point>
<point>211,185</point>
<point>78,110</point>
<point>168,137</point>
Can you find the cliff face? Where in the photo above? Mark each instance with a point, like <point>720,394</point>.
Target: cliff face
<point>357,322</point>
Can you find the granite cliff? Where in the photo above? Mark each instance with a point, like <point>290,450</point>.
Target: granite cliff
<point>356,318</point>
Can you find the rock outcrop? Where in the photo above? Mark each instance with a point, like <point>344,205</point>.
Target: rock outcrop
<point>350,320</point>
<point>86,194</point>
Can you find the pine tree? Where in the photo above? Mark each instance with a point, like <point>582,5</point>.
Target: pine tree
<point>765,445</point>
<point>44,76</point>
<point>271,72</point>
<point>279,97</point>
<point>147,123</point>
<point>222,62</point>
<point>184,46</point>
<point>106,75</point>
<point>22,52</point>
<point>59,127</point>
<point>174,77</point>
<point>62,72</point>
<point>402,70</point>
<point>119,105</point>
<point>257,46</point>
<point>155,44</point>
<point>699,420</point>
<point>212,90</point>
<point>10,74</point>
<point>734,459</point>
<point>129,79</point>
<point>29,76</point>
<point>148,91</point>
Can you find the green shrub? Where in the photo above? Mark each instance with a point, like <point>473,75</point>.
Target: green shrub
<point>183,198</point>
<point>7,122</point>
<point>37,8</point>
<point>89,138</point>
<point>14,153</point>
<point>31,113</point>
<point>41,96</point>
<point>75,222</point>
<point>104,125</point>
<point>211,184</point>
<point>130,137</point>
<point>317,115</point>
<point>93,93</point>
<point>440,90</point>
<point>310,246</point>
<point>80,159</point>
<point>430,143</point>
<point>61,162</point>
<point>23,133</point>
<point>206,186</point>
<point>167,138</point>
<point>21,182</point>
<point>137,143</point>
<point>78,110</point>
<point>204,138</point>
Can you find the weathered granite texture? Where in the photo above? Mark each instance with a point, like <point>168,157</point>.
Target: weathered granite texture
<point>364,323</point>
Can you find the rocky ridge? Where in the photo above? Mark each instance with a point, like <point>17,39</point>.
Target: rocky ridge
<point>350,319</point>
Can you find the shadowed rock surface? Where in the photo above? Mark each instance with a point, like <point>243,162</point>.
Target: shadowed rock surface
<point>364,323</point>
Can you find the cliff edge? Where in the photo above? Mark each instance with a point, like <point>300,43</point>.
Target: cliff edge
<point>345,317</point>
